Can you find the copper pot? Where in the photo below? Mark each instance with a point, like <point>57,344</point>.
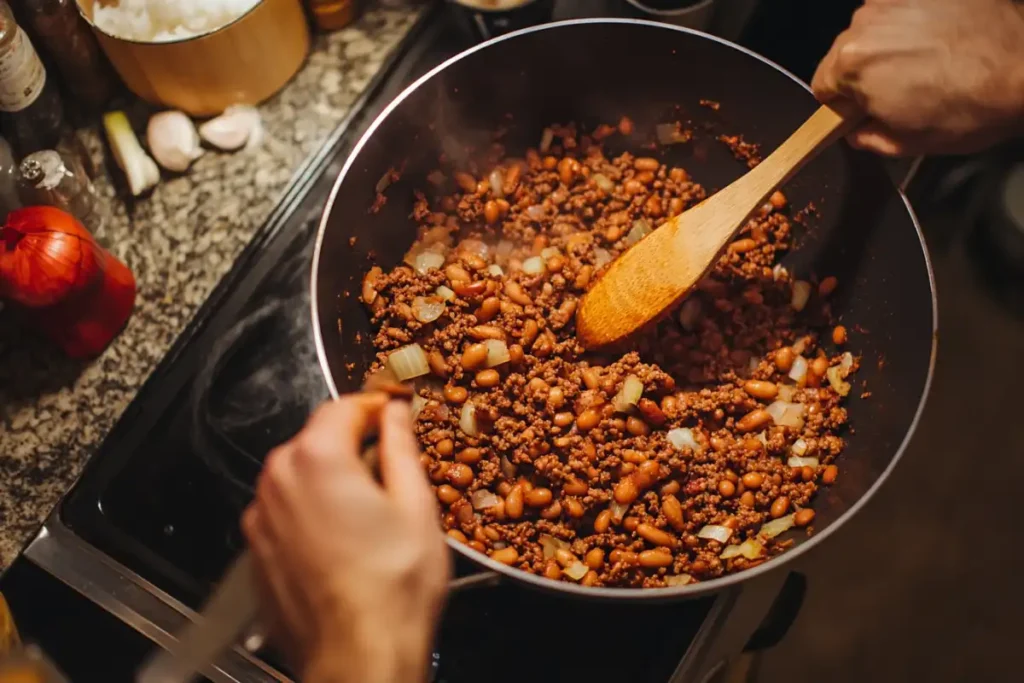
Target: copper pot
<point>244,62</point>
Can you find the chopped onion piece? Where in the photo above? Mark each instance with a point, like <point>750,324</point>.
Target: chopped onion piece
<point>427,260</point>
<point>417,405</point>
<point>508,470</point>
<point>715,532</point>
<point>435,177</point>
<point>847,362</point>
<point>535,212</point>
<point>670,134</point>
<point>408,362</point>
<point>445,293</point>
<point>799,447</point>
<point>835,379</point>
<point>762,438</point>
<point>472,246</point>
<point>497,181</point>
<point>786,392</point>
<point>467,418</point>
<point>548,252</point>
<point>631,391</point>
<point>797,461</point>
<point>385,181</point>
<point>690,313</point>
<point>801,294</point>
<point>678,580</point>
<point>777,526</point>
<point>497,352</point>
<point>427,309</point>
<point>798,372</point>
<point>495,270</point>
<point>779,272</point>
<point>503,249</point>
<point>533,265</point>
<point>682,437</point>
<point>550,544</point>
<point>640,229</point>
<point>483,499</point>
<point>619,510</point>
<point>546,138</point>
<point>750,549</point>
<point>787,414</point>
<point>576,571</point>
<point>601,257</point>
<point>603,182</point>
<point>801,345</point>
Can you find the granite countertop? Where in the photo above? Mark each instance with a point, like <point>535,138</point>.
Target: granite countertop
<point>179,242</point>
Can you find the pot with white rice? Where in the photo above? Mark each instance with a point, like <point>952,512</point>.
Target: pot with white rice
<point>201,56</point>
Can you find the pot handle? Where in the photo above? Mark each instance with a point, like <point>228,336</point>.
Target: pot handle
<point>480,579</point>
<point>782,614</point>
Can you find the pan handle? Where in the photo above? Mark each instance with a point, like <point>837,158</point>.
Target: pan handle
<point>480,579</point>
<point>781,616</point>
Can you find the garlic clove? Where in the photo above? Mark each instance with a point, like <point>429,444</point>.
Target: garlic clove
<point>173,140</point>
<point>231,130</point>
<point>141,170</point>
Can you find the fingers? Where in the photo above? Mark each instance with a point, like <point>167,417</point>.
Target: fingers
<point>875,137</point>
<point>400,466</point>
<point>335,432</point>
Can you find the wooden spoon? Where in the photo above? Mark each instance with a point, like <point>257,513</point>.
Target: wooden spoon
<point>664,266</point>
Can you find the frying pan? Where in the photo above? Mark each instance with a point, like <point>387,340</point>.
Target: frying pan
<point>593,71</point>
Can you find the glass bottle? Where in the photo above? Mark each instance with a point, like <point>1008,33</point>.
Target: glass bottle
<point>331,15</point>
<point>29,101</point>
<point>49,178</point>
<point>8,180</point>
<point>72,47</point>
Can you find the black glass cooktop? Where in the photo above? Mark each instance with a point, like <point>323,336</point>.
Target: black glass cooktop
<point>164,493</point>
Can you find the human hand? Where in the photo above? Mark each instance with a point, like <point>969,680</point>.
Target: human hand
<point>933,76</point>
<point>354,573</point>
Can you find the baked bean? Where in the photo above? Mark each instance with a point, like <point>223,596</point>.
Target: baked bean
<point>477,546</point>
<point>807,473</point>
<point>839,335</point>
<point>635,457</point>
<point>481,332</point>
<point>514,503</point>
<point>655,558</point>
<point>552,571</point>
<point>670,488</point>
<point>747,499</point>
<point>784,358</point>
<point>564,557</point>
<point>753,420</point>
<point>583,276</point>
<point>553,511</point>
<point>613,233</point>
<point>655,536</point>
<point>507,555</point>
<point>460,475</point>
<point>828,477</point>
<point>646,164</point>
<point>439,471</point>
<point>777,200</point>
<point>465,181</point>
<point>678,175</point>
<point>726,488</point>
<point>588,419</point>
<point>603,521</point>
<point>457,273</point>
<point>819,366</point>
<point>447,495</point>
<point>556,397</point>
<point>575,487</point>
<point>803,517</point>
<point>590,579</point>
<point>538,387</point>
<point>753,480</point>
<point>489,308</point>
<point>650,469</point>
<point>630,524</point>
<point>487,378</point>
<point>563,419</point>
<point>568,168</point>
<point>555,264</point>
<point>753,445</point>
<point>474,356</point>
<point>594,558</point>
<point>741,246</point>
<point>673,511</point>
<point>637,427</point>
<point>827,286</point>
<point>444,447</point>
<point>454,394</point>
<point>538,498</point>
<point>515,292</point>
<point>779,507</point>
<point>550,163</point>
<point>574,508</point>
<point>469,290</point>
<point>529,334</point>
<point>470,455</point>
<point>457,535</point>
<point>761,389</point>
<point>515,354</point>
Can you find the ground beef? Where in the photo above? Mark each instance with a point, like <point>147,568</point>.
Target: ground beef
<point>539,454</point>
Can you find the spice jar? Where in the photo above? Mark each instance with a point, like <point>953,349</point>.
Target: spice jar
<point>29,101</point>
<point>331,15</point>
<point>49,178</point>
<point>72,47</point>
<point>76,292</point>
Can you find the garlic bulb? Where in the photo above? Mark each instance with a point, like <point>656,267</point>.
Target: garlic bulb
<point>173,140</point>
<point>239,125</point>
<point>141,170</point>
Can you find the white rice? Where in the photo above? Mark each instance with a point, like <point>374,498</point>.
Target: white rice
<point>160,21</point>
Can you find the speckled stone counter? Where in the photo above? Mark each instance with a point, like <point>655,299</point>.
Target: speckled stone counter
<point>179,242</point>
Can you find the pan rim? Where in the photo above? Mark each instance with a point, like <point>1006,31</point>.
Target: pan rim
<point>596,592</point>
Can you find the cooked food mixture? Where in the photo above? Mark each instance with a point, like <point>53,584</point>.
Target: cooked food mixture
<point>166,20</point>
<point>679,459</point>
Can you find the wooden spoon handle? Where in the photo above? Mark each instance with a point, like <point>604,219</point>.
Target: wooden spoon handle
<point>820,130</point>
